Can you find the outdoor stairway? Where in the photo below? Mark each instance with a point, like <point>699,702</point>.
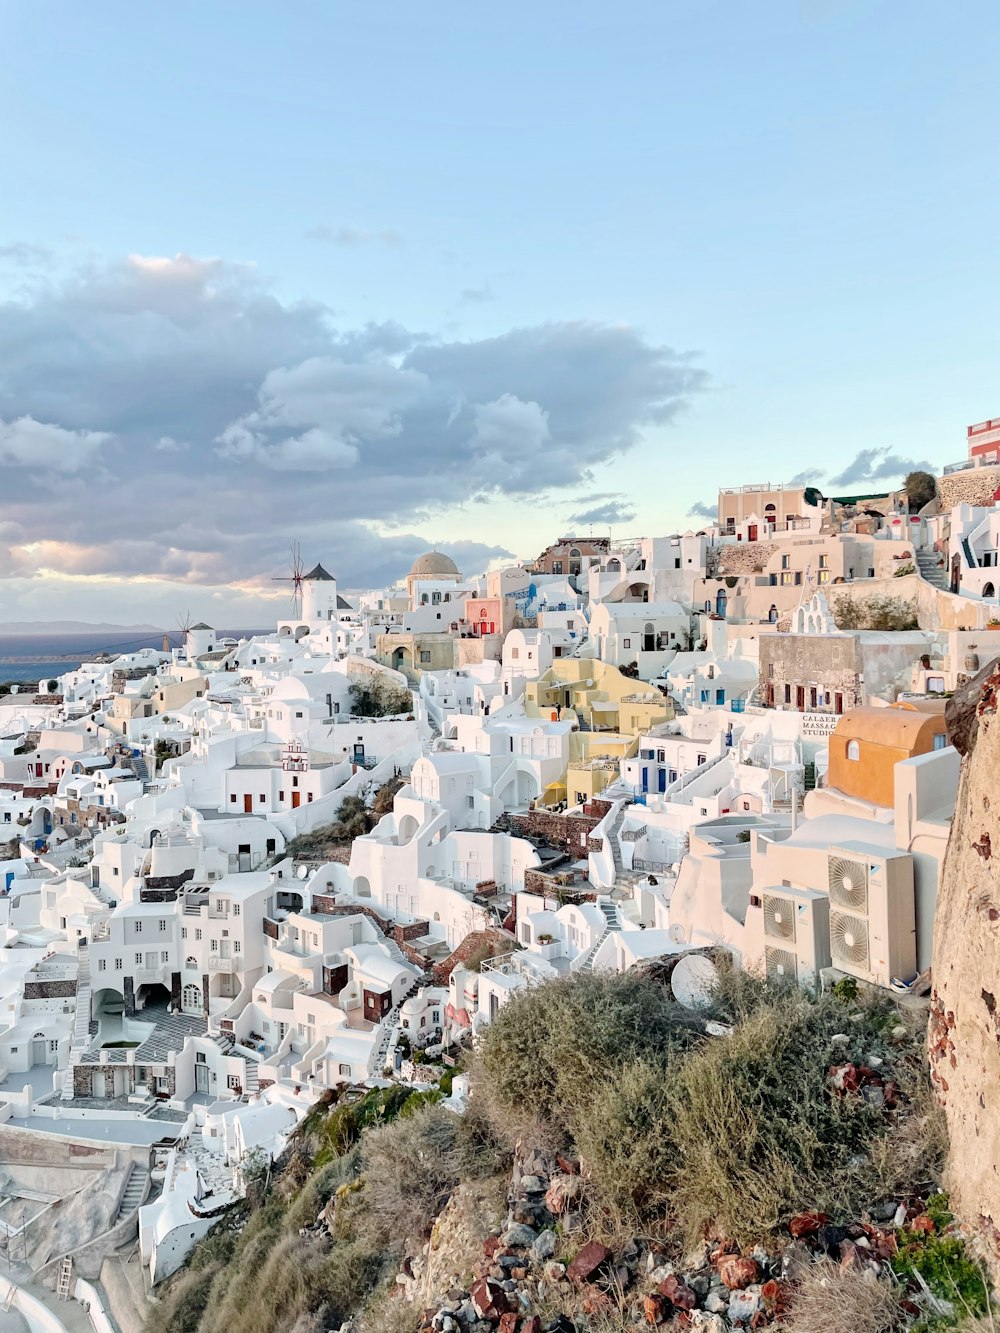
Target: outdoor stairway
<point>80,1039</point>
<point>140,768</point>
<point>252,1086</point>
<point>610,913</point>
<point>388,1028</point>
<point>132,1195</point>
<point>931,571</point>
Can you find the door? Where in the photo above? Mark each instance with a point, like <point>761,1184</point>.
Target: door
<point>201,1078</point>
<point>38,1052</point>
<point>663,779</point>
<point>248,805</point>
<point>800,697</point>
<point>296,799</point>
<point>752,532</point>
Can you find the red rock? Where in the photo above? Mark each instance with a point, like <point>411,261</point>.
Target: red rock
<point>489,1299</point>
<point>807,1224</point>
<point>844,1078</point>
<point>561,1192</point>
<point>678,1293</point>
<point>851,1256</point>
<point>923,1224</point>
<point>490,1246</point>
<point>760,1320</point>
<point>886,1244</point>
<point>656,1309</point>
<point>508,1323</point>
<point>597,1302</point>
<point>770,1291</point>
<point>738,1271</point>
<point>568,1164</point>
<point>587,1261</point>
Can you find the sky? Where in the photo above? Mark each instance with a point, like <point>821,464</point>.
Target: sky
<point>379,278</point>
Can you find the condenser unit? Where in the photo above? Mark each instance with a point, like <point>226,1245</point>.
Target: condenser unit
<point>872,913</point>
<point>796,933</point>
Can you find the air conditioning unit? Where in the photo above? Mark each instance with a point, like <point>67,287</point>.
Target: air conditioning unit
<point>872,913</point>
<point>796,933</point>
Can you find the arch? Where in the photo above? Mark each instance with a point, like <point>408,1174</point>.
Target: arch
<point>853,750</point>
<point>402,658</point>
<point>408,826</point>
<point>301,632</point>
<point>989,590</point>
<point>361,887</point>
<point>636,592</point>
<point>614,565</point>
<point>772,615</point>
<point>527,788</point>
<point>720,602</point>
<point>285,632</point>
<point>191,998</point>
<point>191,963</point>
<point>152,994</point>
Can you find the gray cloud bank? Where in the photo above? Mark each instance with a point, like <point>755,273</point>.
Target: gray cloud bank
<point>173,418</point>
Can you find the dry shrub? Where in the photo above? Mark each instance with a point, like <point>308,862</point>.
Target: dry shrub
<point>624,1136</point>
<point>757,1133</point>
<point>550,1046</point>
<point>837,1300</point>
<point>410,1168</point>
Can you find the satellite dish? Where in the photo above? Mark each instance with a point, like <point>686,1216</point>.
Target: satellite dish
<point>676,933</point>
<point>302,872</point>
<point>693,981</point>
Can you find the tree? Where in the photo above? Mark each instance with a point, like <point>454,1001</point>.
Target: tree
<point>920,488</point>
<point>812,496</point>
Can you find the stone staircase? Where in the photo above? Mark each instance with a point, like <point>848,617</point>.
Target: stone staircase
<point>931,571</point>
<point>388,1028</point>
<point>133,1193</point>
<point>140,768</point>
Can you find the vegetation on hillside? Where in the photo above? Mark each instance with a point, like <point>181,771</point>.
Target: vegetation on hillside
<point>379,696</point>
<point>355,816</point>
<point>876,612</point>
<point>796,1103</point>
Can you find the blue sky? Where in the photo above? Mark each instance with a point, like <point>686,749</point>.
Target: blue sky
<point>801,196</point>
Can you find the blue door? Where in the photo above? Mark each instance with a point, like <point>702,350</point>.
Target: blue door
<point>663,779</point>
<point>645,779</point>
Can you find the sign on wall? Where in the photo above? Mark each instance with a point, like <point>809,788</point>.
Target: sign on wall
<point>819,724</point>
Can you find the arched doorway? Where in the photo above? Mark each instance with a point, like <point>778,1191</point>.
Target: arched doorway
<point>109,1014</point>
<point>401,659</point>
<point>648,638</point>
<point>720,603</point>
<point>989,590</point>
<point>152,995</point>
<point>408,826</point>
<point>527,789</point>
<point>362,888</point>
<point>191,999</point>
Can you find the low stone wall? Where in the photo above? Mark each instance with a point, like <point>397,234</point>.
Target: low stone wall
<point>744,557</point>
<point>570,832</point>
<point>974,487</point>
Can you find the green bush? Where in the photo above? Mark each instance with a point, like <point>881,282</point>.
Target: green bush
<point>410,1168</point>
<point>944,1264</point>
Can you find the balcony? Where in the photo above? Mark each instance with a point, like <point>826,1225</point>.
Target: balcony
<point>217,964</point>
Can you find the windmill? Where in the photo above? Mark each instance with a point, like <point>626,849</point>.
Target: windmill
<point>295,579</point>
<point>183,625</point>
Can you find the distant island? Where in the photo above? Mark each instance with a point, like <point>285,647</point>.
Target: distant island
<point>72,627</point>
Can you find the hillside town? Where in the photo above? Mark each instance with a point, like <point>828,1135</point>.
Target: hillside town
<point>240,874</point>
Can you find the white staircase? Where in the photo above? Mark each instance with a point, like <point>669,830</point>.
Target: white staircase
<point>610,913</point>
<point>80,1040</point>
<point>931,571</point>
<point>133,1193</point>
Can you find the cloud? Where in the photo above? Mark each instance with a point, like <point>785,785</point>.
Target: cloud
<point>25,255</point>
<point>877,465</point>
<point>43,447</point>
<point>808,478</point>
<point>352,236</point>
<point>604,510</point>
<point>702,510</point>
<point>478,295</point>
<point>227,422</point>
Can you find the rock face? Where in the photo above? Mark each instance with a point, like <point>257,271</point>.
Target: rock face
<point>964,1031</point>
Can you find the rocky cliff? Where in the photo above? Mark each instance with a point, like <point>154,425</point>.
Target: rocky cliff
<point>964,1033</point>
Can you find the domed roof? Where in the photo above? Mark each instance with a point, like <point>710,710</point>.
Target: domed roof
<point>433,565</point>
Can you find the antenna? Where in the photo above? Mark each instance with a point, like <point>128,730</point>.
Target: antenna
<point>295,579</point>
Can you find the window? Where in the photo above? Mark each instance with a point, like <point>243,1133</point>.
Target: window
<point>824,562</point>
<point>236,909</point>
<point>138,927</point>
<point>425,655</point>
<point>118,964</point>
<point>232,799</point>
<point>853,750</point>
<point>233,1082</point>
<point>785,561</point>
<point>237,946</point>
<point>941,741</point>
<point>138,960</point>
<point>184,932</point>
<point>626,643</point>
<point>214,945</point>
<point>102,965</point>
<point>515,653</point>
<point>788,694</point>
<point>197,933</point>
<point>163,926</point>
<point>345,1070</point>
<point>262,799</point>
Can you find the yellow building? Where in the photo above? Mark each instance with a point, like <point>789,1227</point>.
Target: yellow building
<point>869,742</point>
<point>601,697</point>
